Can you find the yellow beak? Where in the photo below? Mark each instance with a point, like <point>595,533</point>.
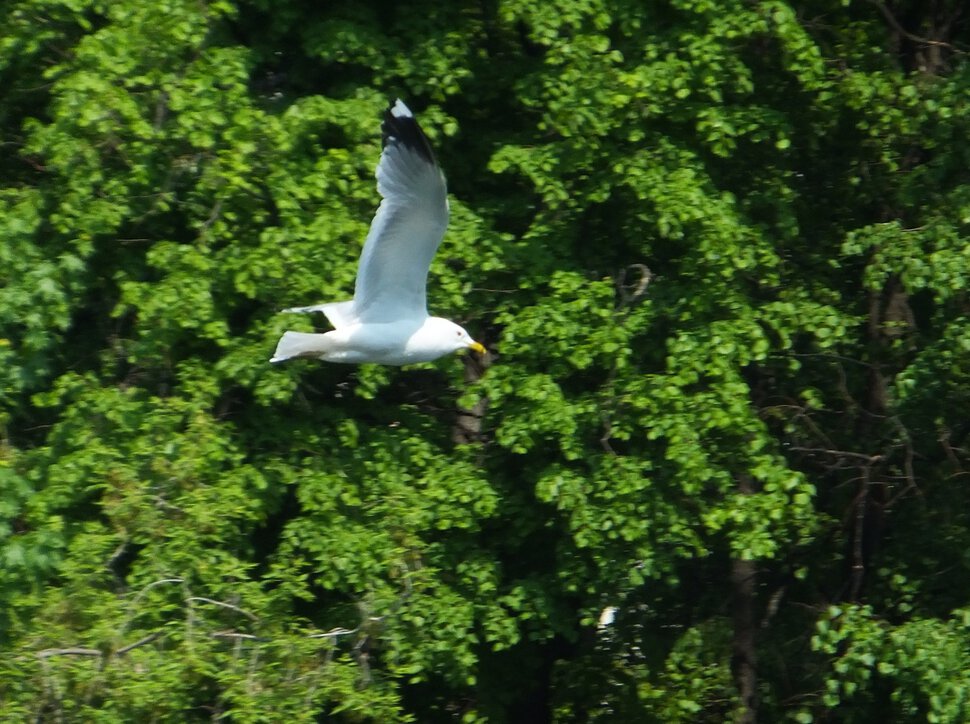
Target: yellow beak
<point>477,347</point>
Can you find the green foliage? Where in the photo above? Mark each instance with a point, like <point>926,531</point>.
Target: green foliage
<point>924,661</point>
<point>718,250</point>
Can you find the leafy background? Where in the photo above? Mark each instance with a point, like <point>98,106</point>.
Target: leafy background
<point>714,468</point>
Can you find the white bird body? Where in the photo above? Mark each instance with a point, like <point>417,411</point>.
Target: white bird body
<point>389,343</point>
<point>387,321</point>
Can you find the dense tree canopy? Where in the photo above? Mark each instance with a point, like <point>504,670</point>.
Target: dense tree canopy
<point>715,467</point>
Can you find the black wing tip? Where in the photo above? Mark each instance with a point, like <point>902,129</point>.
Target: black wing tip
<point>400,126</point>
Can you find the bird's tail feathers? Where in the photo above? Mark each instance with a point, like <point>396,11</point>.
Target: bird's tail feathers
<point>300,344</point>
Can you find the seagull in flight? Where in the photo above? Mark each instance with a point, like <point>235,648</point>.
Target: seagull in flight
<point>387,321</point>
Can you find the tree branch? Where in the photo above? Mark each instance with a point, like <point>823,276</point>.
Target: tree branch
<point>743,648</point>
<point>891,19</point>
<point>141,642</point>
<point>72,651</point>
<point>85,651</point>
<point>223,604</point>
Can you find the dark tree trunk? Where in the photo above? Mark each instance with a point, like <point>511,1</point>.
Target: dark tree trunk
<point>468,423</point>
<point>743,654</point>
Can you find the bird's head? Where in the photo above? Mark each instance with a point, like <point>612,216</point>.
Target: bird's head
<point>453,337</point>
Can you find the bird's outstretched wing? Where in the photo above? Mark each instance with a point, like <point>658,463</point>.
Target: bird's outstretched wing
<point>409,225</point>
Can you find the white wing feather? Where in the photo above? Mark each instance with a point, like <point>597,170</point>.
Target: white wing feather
<point>407,229</point>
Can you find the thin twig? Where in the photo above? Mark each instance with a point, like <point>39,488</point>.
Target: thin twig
<point>839,453</point>
<point>235,635</point>
<point>223,604</point>
<point>152,585</point>
<point>141,642</point>
<point>138,596</point>
<point>334,633</point>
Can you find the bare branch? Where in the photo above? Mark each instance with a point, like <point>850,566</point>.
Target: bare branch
<point>72,651</point>
<point>839,453</point>
<point>862,504</point>
<point>744,663</point>
<point>146,589</point>
<point>141,594</point>
<point>891,19</point>
<point>85,651</point>
<point>334,633</point>
<point>951,456</point>
<point>118,553</point>
<point>141,642</point>
<point>236,635</point>
<point>774,602</point>
<point>830,356</point>
<point>632,292</point>
<point>223,604</point>
<point>910,473</point>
